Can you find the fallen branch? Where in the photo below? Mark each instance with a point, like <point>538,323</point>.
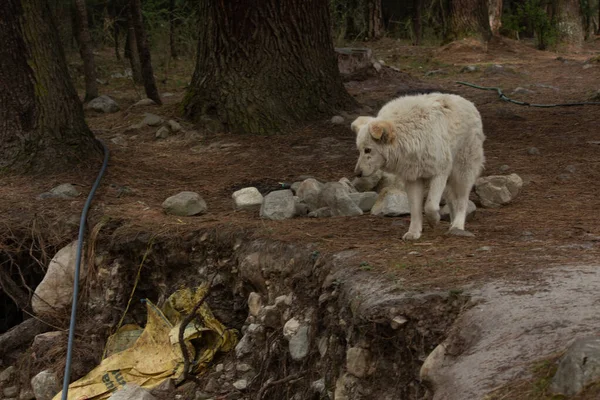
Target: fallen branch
<point>22,334</point>
<point>270,383</point>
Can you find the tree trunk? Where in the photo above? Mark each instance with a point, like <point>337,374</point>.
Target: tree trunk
<point>42,126</point>
<point>468,18</point>
<point>262,69</point>
<point>172,29</point>
<point>568,19</point>
<point>131,50</point>
<point>375,19</point>
<point>86,51</point>
<point>495,14</point>
<point>144,52</point>
<point>416,21</point>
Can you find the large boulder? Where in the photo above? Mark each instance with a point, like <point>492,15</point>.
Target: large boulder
<point>579,367</point>
<point>55,292</point>
<point>498,190</point>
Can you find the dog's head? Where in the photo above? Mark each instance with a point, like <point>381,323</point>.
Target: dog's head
<point>372,137</point>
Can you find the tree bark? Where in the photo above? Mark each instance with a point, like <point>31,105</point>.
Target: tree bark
<point>264,66</point>
<point>375,19</point>
<point>172,46</point>
<point>131,50</point>
<point>568,19</point>
<point>144,52</point>
<point>468,18</point>
<point>495,14</point>
<point>42,126</point>
<point>86,50</point>
<point>417,21</point>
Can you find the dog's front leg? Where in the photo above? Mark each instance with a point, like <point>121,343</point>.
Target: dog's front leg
<point>414,190</point>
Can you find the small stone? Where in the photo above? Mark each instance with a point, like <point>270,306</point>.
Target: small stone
<point>291,328</point>
<point>271,317</point>
<point>151,120</point>
<point>578,367</point>
<point>533,151</point>
<point>298,344</point>
<point>185,204</point>
<point>103,104</point>
<point>283,301</point>
<point>323,212</point>
<point>308,192</point>
<point>563,177</point>
<point>145,102</point>
<point>242,384</point>
<point>587,66</point>
<point>243,367</point>
<point>497,190</point>
<point>504,168</point>
<point>219,368</point>
<point>337,120</point>
<point>168,94</point>
<point>162,133</point>
<point>469,68</point>
<point>7,374</point>
<point>522,90</point>
<point>278,205</point>
<point>365,200</point>
<point>119,140</point>
<point>571,169</point>
<point>45,385</point>
<point>358,361</point>
<point>391,202</point>
<point>485,248</point>
<point>27,395</point>
<point>132,392</point>
<point>254,303</point>
<point>302,209</point>
<point>212,385</point>
<point>174,126</point>
<point>247,199</point>
<point>64,191</point>
<point>318,386</point>
<point>398,321</point>
<point>11,391</point>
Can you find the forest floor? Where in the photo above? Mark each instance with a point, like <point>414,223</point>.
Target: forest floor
<point>553,221</point>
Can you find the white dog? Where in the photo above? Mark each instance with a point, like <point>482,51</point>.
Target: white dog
<point>432,138</point>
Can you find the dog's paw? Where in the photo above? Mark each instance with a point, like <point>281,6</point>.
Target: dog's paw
<point>411,236</point>
<point>459,232</point>
<point>432,217</point>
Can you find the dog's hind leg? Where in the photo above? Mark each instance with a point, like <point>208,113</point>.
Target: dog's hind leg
<point>460,189</point>
<point>432,205</point>
<point>414,190</point>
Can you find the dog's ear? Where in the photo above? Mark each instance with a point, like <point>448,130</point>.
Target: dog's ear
<point>359,123</point>
<point>382,131</point>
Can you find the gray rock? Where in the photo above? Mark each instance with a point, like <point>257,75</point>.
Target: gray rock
<point>308,192</point>
<point>26,394</point>
<point>45,385</point>
<point>337,120</point>
<point>323,212</point>
<point>533,151</point>
<point>55,291</point>
<point>185,204</point>
<point>358,361</point>
<point>365,200</point>
<point>64,191</point>
<point>103,104</point>
<point>391,202</point>
<point>522,90</point>
<point>271,317</point>
<point>119,140</point>
<point>162,132</point>
<point>248,198</point>
<point>563,177</point>
<point>145,102</point>
<point>243,367</point>
<point>132,392</point>
<point>588,66</point>
<point>504,168</point>
<point>348,185</point>
<point>368,183</point>
<point>318,386</point>
<point>168,94</point>
<point>469,68</point>
<point>242,384</point>
<point>571,169</point>
<point>253,336</point>
<point>290,328</point>
<point>174,126</point>
<point>335,196</point>
<point>497,190</point>
<point>299,344</point>
<point>294,187</point>
<point>302,209</point>
<point>152,120</point>
<point>344,387</point>
<point>11,391</point>
<point>278,205</point>
<point>254,304</point>
<point>471,209</point>
<point>436,72</point>
<point>7,374</point>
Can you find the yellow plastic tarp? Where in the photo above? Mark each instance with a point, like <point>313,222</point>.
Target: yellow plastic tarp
<point>156,354</point>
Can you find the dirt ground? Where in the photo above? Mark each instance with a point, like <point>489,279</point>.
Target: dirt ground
<point>554,220</point>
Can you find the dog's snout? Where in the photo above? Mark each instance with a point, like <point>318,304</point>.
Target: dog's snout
<point>358,174</point>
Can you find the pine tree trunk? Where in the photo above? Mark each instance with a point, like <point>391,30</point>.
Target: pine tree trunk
<point>131,50</point>
<point>417,21</point>
<point>495,13</point>
<point>569,21</point>
<point>144,52</point>
<point>86,51</point>
<point>375,19</point>
<point>468,18</point>
<point>262,69</point>
<point>172,29</point>
<point>42,126</point>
